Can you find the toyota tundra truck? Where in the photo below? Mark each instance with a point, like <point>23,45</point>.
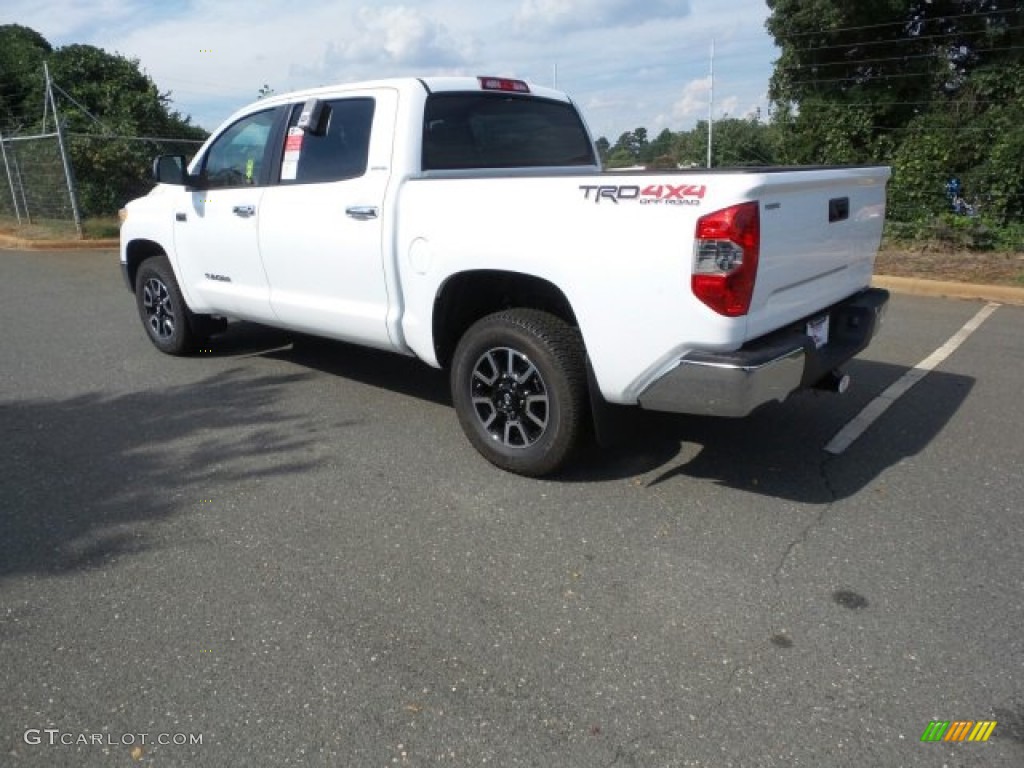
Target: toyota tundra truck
<point>467,222</point>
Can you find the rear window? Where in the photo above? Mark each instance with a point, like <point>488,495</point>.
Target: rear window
<point>485,130</point>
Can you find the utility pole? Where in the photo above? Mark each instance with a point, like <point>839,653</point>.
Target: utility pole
<point>711,103</point>
<point>68,173</point>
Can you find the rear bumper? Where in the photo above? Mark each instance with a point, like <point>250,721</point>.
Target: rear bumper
<point>768,368</point>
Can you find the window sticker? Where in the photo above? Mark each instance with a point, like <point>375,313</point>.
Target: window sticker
<point>292,151</point>
<point>250,166</point>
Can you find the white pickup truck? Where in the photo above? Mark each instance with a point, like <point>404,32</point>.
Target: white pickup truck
<point>467,222</point>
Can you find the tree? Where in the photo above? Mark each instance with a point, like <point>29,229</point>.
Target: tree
<point>880,63</point>
<point>112,98</point>
<point>101,98</point>
<point>22,52</point>
<point>659,153</point>
<point>933,86</point>
<point>628,149</point>
<point>737,143</point>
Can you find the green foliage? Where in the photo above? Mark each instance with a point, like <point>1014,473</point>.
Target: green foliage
<point>628,149</point>
<point>742,143</point>
<point>920,166</point>
<point>620,158</point>
<point>109,97</point>
<point>736,143</point>
<point>659,151</point>
<point>22,52</point>
<point>958,232</point>
<point>963,232</point>
<point>115,98</point>
<point>934,88</point>
<point>101,228</point>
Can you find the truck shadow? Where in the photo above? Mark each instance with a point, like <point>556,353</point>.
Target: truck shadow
<point>87,478</point>
<point>778,451</point>
<point>372,367</point>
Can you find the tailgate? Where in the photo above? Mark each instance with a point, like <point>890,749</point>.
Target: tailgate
<point>820,232</point>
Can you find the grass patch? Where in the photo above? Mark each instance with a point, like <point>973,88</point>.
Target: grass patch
<point>101,228</point>
<point>39,229</point>
<point>97,228</point>
<point>957,233</point>
<point>939,261</point>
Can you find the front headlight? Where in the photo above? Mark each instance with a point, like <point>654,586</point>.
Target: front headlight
<point>122,215</point>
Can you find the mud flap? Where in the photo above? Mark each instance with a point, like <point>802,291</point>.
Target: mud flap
<point>611,422</point>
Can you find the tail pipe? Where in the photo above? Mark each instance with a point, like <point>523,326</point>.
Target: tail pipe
<point>835,381</point>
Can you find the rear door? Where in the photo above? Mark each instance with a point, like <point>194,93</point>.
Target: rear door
<point>321,230</point>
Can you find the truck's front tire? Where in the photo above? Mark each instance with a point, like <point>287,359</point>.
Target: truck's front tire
<point>519,386</point>
<point>162,308</point>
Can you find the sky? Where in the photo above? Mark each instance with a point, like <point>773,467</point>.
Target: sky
<point>626,63</point>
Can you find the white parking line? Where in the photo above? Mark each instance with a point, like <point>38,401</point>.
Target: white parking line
<point>873,410</point>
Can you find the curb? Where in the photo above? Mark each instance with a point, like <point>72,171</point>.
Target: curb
<point>913,286</point>
<point>1003,294</point>
<point>12,243</point>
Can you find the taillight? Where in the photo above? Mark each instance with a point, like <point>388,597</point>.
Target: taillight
<point>503,84</point>
<point>725,258</point>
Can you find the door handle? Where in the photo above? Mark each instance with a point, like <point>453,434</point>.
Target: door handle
<point>245,211</point>
<point>362,212</point>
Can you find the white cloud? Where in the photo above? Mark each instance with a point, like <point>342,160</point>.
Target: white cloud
<point>628,64</point>
<point>56,20</point>
<point>728,107</point>
<point>283,47</point>
<point>407,36</point>
<point>694,101</point>
<point>569,15</point>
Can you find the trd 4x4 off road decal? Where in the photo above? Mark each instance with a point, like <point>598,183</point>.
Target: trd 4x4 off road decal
<point>653,194</point>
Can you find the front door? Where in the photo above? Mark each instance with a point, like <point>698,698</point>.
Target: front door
<point>216,229</point>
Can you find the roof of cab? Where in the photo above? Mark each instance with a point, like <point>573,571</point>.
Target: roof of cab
<point>434,84</point>
<point>438,84</point>
<point>445,84</point>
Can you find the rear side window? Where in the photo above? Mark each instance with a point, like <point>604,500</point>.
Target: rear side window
<point>340,153</point>
<point>490,130</point>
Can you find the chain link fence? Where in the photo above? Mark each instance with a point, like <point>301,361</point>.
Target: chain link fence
<point>35,190</point>
<point>40,195</point>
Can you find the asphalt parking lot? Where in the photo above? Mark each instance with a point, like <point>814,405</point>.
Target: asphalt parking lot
<point>284,552</point>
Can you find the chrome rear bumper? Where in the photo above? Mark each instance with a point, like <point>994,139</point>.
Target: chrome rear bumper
<point>769,368</point>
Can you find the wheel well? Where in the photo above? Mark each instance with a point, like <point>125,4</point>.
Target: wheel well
<point>469,296</point>
<point>136,253</point>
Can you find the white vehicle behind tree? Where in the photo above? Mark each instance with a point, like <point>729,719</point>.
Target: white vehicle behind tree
<point>466,222</point>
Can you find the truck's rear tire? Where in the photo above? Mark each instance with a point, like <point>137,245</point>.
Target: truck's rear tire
<point>162,308</point>
<point>519,386</point>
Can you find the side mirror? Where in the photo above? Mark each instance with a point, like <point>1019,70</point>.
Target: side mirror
<point>170,169</point>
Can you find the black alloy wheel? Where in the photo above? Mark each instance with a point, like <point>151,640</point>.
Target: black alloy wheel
<point>519,387</point>
<point>162,309</point>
